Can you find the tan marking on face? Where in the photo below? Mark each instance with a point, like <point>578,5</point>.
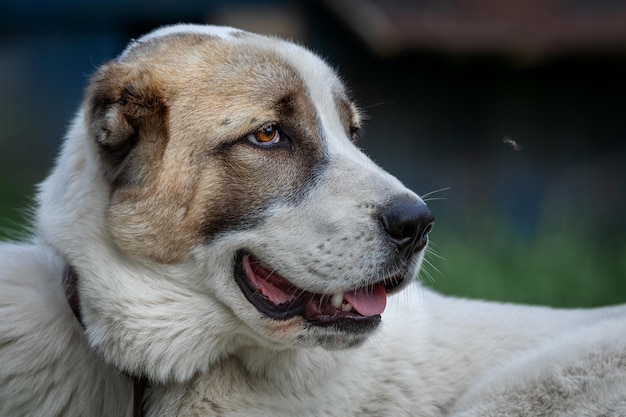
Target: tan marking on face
<point>171,120</point>
<point>282,329</point>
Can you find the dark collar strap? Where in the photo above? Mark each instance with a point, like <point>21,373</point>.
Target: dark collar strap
<point>139,387</point>
<point>70,282</point>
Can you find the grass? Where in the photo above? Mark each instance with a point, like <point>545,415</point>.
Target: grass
<point>13,205</point>
<point>573,269</point>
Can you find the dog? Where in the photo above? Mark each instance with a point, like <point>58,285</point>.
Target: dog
<point>212,242</point>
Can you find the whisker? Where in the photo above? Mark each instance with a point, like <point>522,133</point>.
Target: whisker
<point>431,265</point>
<point>433,252</point>
<point>433,199</point>
<point>298,293</point>
<point>427,274</point>
<point>380,103</point>
<point>435,191</point>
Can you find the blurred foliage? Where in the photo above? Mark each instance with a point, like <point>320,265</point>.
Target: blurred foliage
<point>15,202</point>
<point>572,269</point>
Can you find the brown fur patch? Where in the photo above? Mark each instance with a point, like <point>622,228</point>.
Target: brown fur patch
<point>172,118</point>
<point>348,113</point>
<point>125,104</point>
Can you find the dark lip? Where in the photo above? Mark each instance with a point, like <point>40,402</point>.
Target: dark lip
<point>342,321</point>
<point>276,312</point>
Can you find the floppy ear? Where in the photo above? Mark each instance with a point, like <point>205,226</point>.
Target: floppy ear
<point>124,107</point>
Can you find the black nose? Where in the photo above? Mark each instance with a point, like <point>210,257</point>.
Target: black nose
<point>407,222</point>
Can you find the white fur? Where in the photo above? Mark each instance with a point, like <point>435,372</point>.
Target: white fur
<point>223,32</point>
<point>207,351</point>
<point>585,369</point>
<point>46,365</point>
<point>431,350</point>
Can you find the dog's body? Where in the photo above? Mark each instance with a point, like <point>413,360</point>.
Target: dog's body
<point>231,245</point>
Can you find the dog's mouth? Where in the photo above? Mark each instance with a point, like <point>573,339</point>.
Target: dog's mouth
<point>276,297</point>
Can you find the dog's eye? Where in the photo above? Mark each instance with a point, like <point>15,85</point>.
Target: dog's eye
<point>265,136</point>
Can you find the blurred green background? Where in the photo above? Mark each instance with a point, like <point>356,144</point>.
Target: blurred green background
<point>511,113</point>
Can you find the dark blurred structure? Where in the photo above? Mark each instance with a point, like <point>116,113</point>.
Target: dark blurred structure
<point>531,27</point>
<point>518,107</point>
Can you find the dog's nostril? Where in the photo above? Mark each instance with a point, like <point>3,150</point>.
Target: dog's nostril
<point>427,229</point>
<point>407,222</point>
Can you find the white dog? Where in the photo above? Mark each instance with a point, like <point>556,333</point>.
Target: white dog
<point>211,228</point>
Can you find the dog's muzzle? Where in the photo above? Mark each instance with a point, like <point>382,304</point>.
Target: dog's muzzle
<point>405,223</point>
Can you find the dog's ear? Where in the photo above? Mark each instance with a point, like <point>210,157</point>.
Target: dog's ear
<point>124,107</point>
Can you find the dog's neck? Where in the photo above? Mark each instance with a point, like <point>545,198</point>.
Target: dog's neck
<point>70,283</point>
<point>287,366</point>
<point>278,367</point>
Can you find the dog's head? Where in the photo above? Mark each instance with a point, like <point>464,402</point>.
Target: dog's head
<point>211,197</point>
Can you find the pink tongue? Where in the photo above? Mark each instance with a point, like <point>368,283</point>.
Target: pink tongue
<point>368,301</point>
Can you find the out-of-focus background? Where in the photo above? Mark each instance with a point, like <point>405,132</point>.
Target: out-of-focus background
<point>510,116</point>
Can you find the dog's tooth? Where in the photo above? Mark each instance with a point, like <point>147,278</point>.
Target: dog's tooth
<point>337,299</point>
<point>346,306</point>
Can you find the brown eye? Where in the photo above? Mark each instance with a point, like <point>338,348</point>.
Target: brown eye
<point>267,135</point>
